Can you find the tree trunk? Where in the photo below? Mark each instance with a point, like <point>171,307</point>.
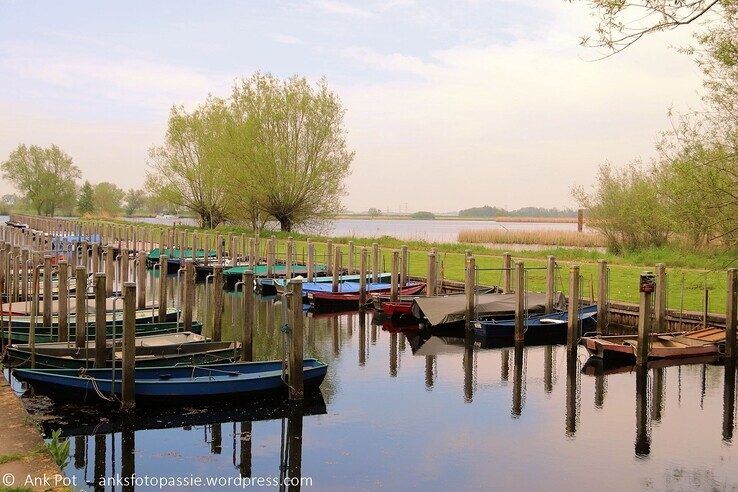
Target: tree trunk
<point>285,224</point>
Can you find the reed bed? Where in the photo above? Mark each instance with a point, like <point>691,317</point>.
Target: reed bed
<point>548,238</point>
<point>550,220</point>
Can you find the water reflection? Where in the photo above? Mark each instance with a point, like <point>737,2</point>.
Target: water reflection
<point>729,401</point>
<point>643,421</point>
<point>572,393</point>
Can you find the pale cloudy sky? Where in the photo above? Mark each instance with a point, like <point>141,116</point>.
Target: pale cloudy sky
<point>449,104</point>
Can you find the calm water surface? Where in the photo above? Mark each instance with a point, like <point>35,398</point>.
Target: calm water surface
<point>430,412</point>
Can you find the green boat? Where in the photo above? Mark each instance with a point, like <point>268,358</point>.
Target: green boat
<point>143,316</point>
<point>45,334</point>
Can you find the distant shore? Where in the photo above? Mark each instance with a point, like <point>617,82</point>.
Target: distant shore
<point>552,220</point>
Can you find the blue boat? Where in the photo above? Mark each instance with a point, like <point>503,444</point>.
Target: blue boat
<point>551,325</point>
<point>171,383</point>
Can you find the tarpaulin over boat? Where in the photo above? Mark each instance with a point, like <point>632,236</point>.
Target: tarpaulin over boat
<point>448,309</point>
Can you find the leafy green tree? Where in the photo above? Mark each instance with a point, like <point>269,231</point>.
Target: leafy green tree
<point>289,148</point>
<point>85,204</point>
<point>423,215</point>
<point>374,212</point>
<point>107,198</point>
<point>45,176</point>
<point>189,169</point>
<point>134,201</point>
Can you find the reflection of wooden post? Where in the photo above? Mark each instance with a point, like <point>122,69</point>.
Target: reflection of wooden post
<point>572,400</point>
<point>731,307</point>
<point>63,301</point>
<point>128,390</point>
<point>101,308</point>
<point>506,273</point>
<point>336,267</point>
<point>643,441</point>
<point>660,299</point>
<point>394,280</point>
<point>517,405</point>
<point>550,283</point>
<point>247,344</point>
<point>573,308</point>
<point>469,289</point>
<point>296,342</point>
<point>141,279</point>
<point>217,301</point>
<point>48,296</point>
<point>430,288</point>
<point>519,301</point>
<point>602,295</point>
<point>362,278</point>
<point>80,294</point>
<point>163,268</point>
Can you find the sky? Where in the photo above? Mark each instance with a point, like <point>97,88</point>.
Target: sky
<point>449,105</point>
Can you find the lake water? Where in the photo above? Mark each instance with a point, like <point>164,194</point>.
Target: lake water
<point>428,411</point>
<point>445,231</point>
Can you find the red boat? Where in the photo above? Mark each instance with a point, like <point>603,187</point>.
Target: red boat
<point>396,309</point>
<point>332,301</point>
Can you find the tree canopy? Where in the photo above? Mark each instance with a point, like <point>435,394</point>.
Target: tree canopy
<point>45,176</point>
<point>85,203</point>
<point>107,198</point>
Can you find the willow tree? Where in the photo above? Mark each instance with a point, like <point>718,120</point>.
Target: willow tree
<point>46,177</point>
<point>289,148</point>
<point>188,170</point>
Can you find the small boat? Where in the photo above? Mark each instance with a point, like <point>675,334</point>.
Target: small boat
<point>697,343</point>
<point>401,308</point>
<point>171,384</point>
<point>142,316</point>
<point>45,334</point>
<point>339,300</point>
<point>272,286</point>
<point>542,325</point>
<point>184,349</point>
<point>594,366</point>
<point>23,308</point>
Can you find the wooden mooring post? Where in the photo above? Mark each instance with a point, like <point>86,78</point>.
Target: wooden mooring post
<point>296,343</point>
<point>336,271</point>
<point>310,260</point>
<point>350,258</point>
<point>141,279</point>
<point>109,270</point>
<point>48,295</point>
<point>247,344</point>
<point>34,315</point>
<point>395,280</point>
<point>647,286</point>
<point>375,262</point>
<point>470,289</point>
<point>602,296</point>
<point>507,273</point>
<point>189,294</point>
<point>101,308</point>
<point>128,388</point>
<point>217,302</point>
<point>362,278</point>
<point>731,309</point>
<point>404,264</point>
<point>550,283</point>
<point>659,320</point>
<point>163,268</point>
<point>63,301</point>
<point>519,335</point>
<point>572,338</point>
<point>80,313</point>
<point>430,286</point>
<point>123,262</point>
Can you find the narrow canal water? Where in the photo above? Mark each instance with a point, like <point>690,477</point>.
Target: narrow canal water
<point>415,410</point>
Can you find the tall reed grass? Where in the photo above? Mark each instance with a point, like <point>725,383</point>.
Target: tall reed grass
<point>550,238</point>
<point>551,220</point>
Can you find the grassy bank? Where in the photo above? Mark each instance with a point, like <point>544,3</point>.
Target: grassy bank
<point>544,237</point>
<point>689,271</point>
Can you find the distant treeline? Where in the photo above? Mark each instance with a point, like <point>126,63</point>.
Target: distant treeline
<point>490,212</point>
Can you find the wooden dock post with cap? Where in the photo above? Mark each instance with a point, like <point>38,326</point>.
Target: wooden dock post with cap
<point>336,271</point>
<point>141,279</point>
<point>63,301</point>
<point>101,308</point>
<point>163,268</point>
<point>430,287</point>
<point>295,356</point>
<point>506,273</point>
<point>519,301</point>
<point>80,294</point>
<point>189,294</point>
<point>362,278</point>
<point>395,279</point>
<point>602,296</point>
<point>247,344</point>
<point>647,286</point>
<point>217,302</point>
<point>109,269</point>
<point>550,283</point>
<point>128,389</point>
<point>469,289</point>
<point>660,299</point>
<point>48,295</point>
<point>572,337</point>
<point>731,309</point>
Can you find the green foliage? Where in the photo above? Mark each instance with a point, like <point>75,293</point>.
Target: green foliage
<point>45,176</point>
<point>59,448</point>
<point>374,212</point>
<point>85,204</point>
<point>423,215</point>
<point>488,212</point>
<point>107,198</point>
<point>134,200</point>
